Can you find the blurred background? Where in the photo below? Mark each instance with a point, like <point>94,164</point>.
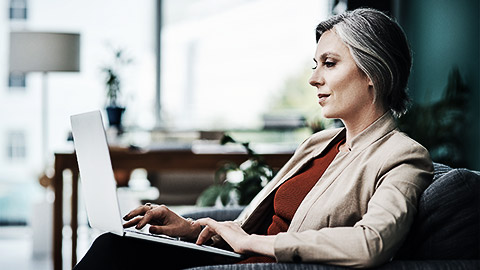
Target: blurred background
<point>188,72</point>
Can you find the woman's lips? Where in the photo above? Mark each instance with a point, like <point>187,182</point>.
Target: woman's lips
<point>322,98</point>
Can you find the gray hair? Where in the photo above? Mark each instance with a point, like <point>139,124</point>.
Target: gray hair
<point>380,49</point>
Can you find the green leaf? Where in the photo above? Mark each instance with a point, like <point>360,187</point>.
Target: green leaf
<point>220,174</point>
<point>209,196</point>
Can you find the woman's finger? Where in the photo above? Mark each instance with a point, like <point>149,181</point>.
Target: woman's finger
<point>167,230</point>
<point>156,229</point>
<point>139,211</point>
<point>231,232</point>
<point>132,222</point>
<point>145,220</point>
<point>207,222</point>
<point>155,215</point>
<point>208,231</point>
<point>205,235</point>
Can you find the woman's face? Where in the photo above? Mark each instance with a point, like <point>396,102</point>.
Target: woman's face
<point>344,91</point>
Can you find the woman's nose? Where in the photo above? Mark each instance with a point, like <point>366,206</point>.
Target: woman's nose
<point>316,79</point>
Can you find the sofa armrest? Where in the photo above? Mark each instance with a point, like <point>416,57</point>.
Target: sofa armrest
<point>447,221</point>
<point>394,265</point>
<point>270,266</point>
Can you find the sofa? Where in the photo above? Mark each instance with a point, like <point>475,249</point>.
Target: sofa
<point>444,235</point>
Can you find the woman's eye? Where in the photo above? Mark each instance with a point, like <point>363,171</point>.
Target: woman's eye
<point>329,64</point>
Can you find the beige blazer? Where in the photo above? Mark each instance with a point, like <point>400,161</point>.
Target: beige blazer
<point>361,209</point>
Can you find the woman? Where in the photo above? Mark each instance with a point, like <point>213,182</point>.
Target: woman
<point>348,196</point>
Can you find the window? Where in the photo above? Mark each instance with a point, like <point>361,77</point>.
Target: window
<point>225,62</point>
<point>16,145</point>
<point>18,9</point>
<point>16,81</point>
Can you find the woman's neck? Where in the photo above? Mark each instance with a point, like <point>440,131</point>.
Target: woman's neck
<point>359,123</point>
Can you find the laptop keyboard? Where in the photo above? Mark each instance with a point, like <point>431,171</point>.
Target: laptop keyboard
<point>154,235</point>
<point>218,250</point>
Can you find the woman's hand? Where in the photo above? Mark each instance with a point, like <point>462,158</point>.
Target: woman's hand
<point>236,237</point>
<point>162,221</point>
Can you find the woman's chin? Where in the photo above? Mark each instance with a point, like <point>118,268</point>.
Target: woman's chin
<point>328,115</point>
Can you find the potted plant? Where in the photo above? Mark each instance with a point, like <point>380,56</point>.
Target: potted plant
<point>113,86</point>
<point>234,184</point>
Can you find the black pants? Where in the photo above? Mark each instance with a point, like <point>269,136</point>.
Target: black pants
<point>110,251</point>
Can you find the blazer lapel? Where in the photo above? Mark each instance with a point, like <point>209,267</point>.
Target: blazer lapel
<point>319,149</point>
<point>378,129</point>
<point>300,159</point>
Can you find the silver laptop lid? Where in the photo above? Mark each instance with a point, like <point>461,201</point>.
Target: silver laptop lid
<point>96,173</point>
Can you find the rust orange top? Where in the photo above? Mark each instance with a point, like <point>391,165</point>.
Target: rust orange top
<point>290,195</point>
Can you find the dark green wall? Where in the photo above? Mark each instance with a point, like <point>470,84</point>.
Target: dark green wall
<point>444,34</point>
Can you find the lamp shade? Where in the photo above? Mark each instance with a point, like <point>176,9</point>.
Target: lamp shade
<point>44,52</point>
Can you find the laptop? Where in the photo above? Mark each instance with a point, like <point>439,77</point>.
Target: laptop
<point>99,186</point>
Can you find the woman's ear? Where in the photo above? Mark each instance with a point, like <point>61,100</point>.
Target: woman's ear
<point>370,83</point>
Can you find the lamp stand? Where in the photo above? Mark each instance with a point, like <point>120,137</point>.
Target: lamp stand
<point>44,147</point>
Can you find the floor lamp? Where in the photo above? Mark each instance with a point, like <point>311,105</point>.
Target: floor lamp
<point>44,52</point>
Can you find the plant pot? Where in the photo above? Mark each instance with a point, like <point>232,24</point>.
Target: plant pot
<point>115,116</point>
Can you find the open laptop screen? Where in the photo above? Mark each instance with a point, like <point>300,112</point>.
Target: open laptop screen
<point>96,173</point>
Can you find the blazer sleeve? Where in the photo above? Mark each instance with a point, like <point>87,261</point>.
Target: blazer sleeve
<point>375,238</point>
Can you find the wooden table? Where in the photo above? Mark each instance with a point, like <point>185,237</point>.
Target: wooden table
<point>158,160</point>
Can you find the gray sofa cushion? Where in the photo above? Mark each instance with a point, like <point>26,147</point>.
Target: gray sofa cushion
<point>447,224</point>
<point>394,265</point>
<point>439,170</point>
